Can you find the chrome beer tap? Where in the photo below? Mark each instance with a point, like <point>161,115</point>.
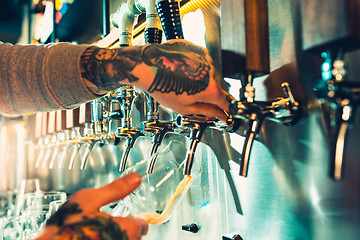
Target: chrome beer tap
<point>158,130</point>
<point>59,138</point>
<point>126,98</point>
<point>75,142</point>
<point>65,143</point>
<point>194,126</point>
<point>42,143</point>
<point>284,110</point>
<point>342,97</point>
<point>99,131</point>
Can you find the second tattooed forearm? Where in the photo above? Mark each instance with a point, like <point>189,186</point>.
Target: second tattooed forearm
<point>176,67</point>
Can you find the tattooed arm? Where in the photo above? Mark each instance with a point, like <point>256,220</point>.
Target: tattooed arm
<point>80,218</point>
<point>178,74</point>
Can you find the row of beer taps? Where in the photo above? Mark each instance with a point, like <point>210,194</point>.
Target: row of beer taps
<point>111,114</point>
<point>111,120</point>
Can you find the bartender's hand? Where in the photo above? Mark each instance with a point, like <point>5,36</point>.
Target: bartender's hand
<point>80,218</point>
<point>178,74</point>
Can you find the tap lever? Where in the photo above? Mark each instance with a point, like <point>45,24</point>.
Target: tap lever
<point>286,88</point>
<point>282,110</point>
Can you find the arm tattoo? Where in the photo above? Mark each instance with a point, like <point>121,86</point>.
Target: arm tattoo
<point>97,228</point>
<point>105,68</point>
<point>181,67</point>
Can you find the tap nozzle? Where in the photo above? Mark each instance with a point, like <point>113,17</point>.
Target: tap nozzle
<point>131,135</point>
<point>158,129</point>
<point>338,146</point>
<point>197,126</point>
<point>88,140</point>
<point>75,140</point>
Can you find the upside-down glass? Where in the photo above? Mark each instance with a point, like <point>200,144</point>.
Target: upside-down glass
<point>160,192</point>
<point>42,200</point>
<point>27,186</point>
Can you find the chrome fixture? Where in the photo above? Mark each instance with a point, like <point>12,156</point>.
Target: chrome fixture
<point>194,126</point>
<point>282,110</point>
<point>342,98</point>
<point>126,98</point>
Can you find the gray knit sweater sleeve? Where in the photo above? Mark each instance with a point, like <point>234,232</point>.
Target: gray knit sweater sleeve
<point>41,78</point>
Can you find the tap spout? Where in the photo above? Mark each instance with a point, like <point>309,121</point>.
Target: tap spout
<point>197,126</point>
<point>89,145</point>
<point>338,135</point>
<point>159,129</point>
<point>131,135</point>
<point>255,125</point>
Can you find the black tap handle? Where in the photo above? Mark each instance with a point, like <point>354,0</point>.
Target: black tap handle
<point>153,35</point>
<point>169,14</point>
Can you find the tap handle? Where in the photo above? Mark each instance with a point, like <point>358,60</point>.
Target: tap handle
<point>169,14</point>
<point>287,91</point>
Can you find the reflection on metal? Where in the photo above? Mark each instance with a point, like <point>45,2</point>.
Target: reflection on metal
<point>281,110</point>
<point>341,98</point>
<point>287,193</point>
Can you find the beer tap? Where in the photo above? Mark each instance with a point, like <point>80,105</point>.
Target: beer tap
<point>158,129</point>
<point>194,126</point>
<point>75,141</point>
<point>124,20</point>
<point>65,146</point>
<point>284,110</point>
<point>342,98</point>
<point>126,98</point>
<point>339,96</point>
<point>88,141</point>
<point>58,139</point>
<point>42,145</point>
<point>99,131</point>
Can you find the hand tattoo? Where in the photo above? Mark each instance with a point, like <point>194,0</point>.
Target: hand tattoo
<point>60,216</point>
<point>89,228</point>
<point>97,228</point>
<point>181,67</point>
